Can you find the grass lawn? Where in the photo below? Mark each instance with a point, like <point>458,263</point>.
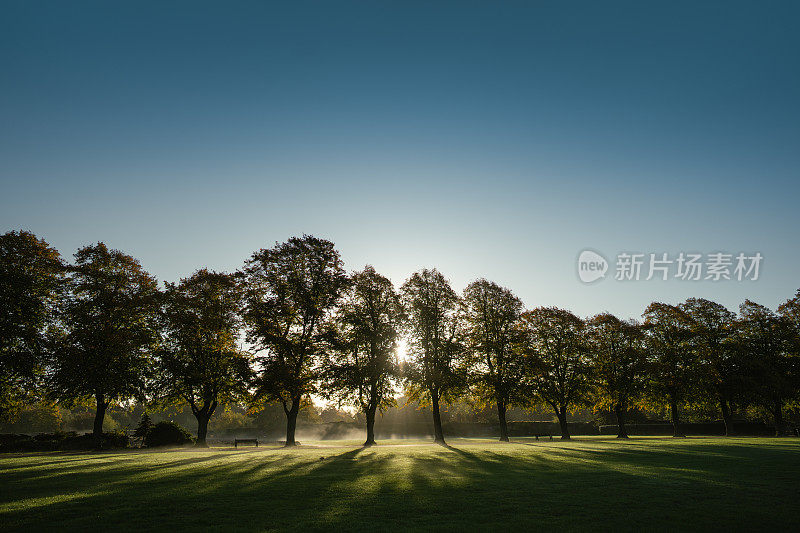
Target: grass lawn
<point>602,484</point>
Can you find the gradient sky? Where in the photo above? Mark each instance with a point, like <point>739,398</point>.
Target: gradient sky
<point>487,139</point>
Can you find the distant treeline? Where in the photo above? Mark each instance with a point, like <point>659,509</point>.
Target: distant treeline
<point>292,324</point>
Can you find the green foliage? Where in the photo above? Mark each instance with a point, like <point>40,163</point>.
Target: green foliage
<point>435,342</point>
<point>669,343</point>
<point>362,367</point>
<point>167,434</point>
<point>721,361</point>
<point>144,427</point>
<point>36,417</point>
<point>111,320</point>
<point>619,360</point>
<point>88,332</point>
<point>200,361</point>
<point>435,338</point>
<point>31,276</point>
<point>291,292</point>
<point>771,341</point>
<point>61,440</point>
<point>559,370</point>
<point>491,334</point>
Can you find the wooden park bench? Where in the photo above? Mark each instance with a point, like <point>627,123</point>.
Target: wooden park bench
<point>537,435</point>
<point>245,441</point>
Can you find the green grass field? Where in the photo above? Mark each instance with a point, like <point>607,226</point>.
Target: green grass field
<point>603,484</point>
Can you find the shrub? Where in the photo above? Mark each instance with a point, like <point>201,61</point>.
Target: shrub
<point>60,441</point>
<point>167,434</point>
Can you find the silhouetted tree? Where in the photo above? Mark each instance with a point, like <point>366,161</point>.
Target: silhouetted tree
<point>31,275</point>
<point>497,370</point>
<point>719,360</point>
<point>292,289</point>
<point>111,325</point>
<point>363,366</point>
<point>560,371</point>
<point>620,363</point>
<point>433,373</point>
<point>673,362</point>
<point>770,341</point>
<point>200,361</point>
<point>144,427</point>
<point>790,311</point>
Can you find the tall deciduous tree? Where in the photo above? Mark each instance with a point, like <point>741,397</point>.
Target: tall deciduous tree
<point>673,362</point>
<point>496,368</point>
<point>31,275</point>
<point>363,367</point>
<point>292,290</point>
<point>620,363</point>
<point>201,361</point>
<point>434,342</point>
<point>790,310</point>
<point>719,361</point>
<point>560,373</point>
<point>770,342</point>
<point>112,328</point>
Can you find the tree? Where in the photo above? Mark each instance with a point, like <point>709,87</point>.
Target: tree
<point>673,362</point>
<point>719,361</point>
<point>560,371</point>
<point>200,361</point>
<point>771,342</point>
<point>433,373</point>
<point>362,369</point>
<point>790,310</point>
<point>31,276</point>
<point>620,364</point>
<point>292,290</point>
<point>144,427</point>
<point>111,323</point>
<point>490,319</point>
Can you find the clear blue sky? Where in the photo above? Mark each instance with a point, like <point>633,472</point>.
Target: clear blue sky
<point>493,139</point>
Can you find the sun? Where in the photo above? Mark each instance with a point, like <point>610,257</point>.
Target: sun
<point>402,350</point>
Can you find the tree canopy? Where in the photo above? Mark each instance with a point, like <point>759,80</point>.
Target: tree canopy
<point>491,315</point>
<point>111,330</point>
<point>434,334</point>
<point>620,362</point>
<point>291,291</point>
<point>31,275</point>
<point>362,369</point>
<point>292,327</point>
<point>200,360</point>
<point>560,373</point>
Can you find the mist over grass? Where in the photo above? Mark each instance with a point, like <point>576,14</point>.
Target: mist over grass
<point>473,484</point>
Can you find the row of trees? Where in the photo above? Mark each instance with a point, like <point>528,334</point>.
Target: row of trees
<point>292,324</point>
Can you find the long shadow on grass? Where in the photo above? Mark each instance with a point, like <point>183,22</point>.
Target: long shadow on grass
<point>462,487</point>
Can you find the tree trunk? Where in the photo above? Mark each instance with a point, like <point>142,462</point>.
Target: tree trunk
<point>291,421</point>
<point>99,416</point>
<point>203,416</point>
<point>676,423</point>
<point>501,414</point>
<point>561,413</point>
<point>777,412</point>
<point>370,426</point>
<point>727,417</point>
<point>438,434</point>
<point>619,411</point>
<point>202,429</point>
